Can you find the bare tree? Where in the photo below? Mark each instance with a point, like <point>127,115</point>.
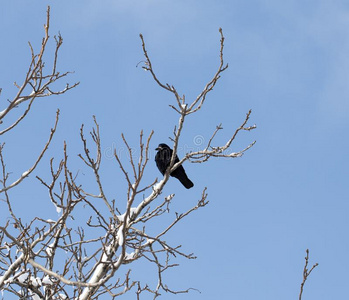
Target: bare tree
<point>47,259</point>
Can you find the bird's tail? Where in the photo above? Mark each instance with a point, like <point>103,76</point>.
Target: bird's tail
<point>185,181</point>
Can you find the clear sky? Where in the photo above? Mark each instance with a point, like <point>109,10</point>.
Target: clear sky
<point>288,62</point>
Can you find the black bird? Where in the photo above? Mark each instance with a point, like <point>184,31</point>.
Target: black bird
<point>163,159</point>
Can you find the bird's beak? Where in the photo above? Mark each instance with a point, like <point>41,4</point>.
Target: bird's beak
<point>158,148</point>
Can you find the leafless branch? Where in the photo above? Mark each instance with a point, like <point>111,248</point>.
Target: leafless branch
<point>184,109</point>
<point>94,163</point>
<point>306,273</point>
<point>36,83</point>
<point>31,169</point>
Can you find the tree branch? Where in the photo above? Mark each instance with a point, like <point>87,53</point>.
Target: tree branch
<point>306,273</point>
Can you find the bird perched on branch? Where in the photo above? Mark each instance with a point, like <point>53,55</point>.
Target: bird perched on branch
<point>163,159</point>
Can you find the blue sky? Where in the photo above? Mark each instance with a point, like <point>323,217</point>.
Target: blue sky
<point>288,62</point>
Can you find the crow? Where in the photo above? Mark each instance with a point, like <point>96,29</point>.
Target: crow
<point>163,159</point>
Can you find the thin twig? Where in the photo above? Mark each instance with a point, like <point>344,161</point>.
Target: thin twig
<point>306,273</point>
<point>30,170</point>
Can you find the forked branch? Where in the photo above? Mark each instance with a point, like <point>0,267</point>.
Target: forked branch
<point>31,169</point>
<point>37,83</point>
<point>306,273</point>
